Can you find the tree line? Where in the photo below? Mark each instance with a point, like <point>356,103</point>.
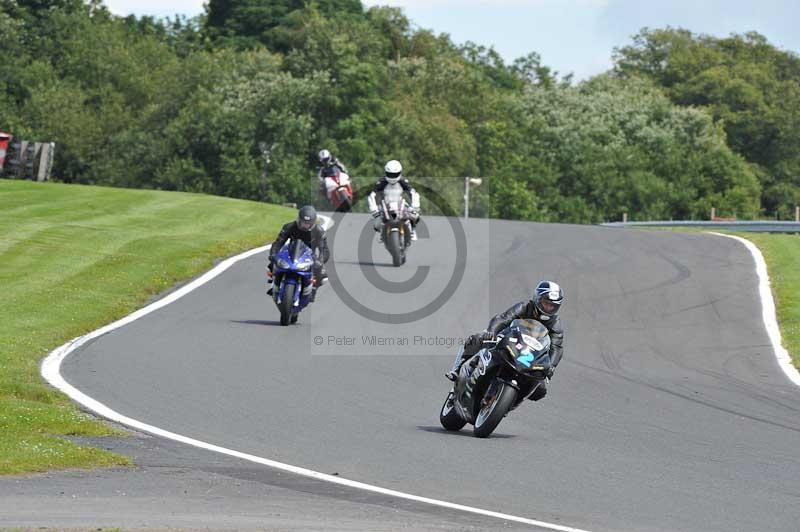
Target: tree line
<point>683,122</point>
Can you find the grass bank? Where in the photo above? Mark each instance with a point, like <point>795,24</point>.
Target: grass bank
<point>73,258</point>
<point>782,254</point>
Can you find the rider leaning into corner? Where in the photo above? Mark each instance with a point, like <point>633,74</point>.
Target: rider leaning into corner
<point>544,307</point>
<point>327,162</point>
<point>305,228</point>
<point>392,185</point>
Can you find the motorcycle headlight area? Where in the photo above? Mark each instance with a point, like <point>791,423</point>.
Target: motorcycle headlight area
<point>304,265</point>
<point>532,342</point>
<point>283,264</point>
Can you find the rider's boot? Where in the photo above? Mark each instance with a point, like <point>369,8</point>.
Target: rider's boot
<point>322,276</point>
<point>453,373</point>
<point>413,235</point>
<point>308,290</point>
<point>540,392</point>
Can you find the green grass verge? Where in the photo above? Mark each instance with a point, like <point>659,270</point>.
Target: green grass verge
<point>782,255</point>
<point>74,258</point>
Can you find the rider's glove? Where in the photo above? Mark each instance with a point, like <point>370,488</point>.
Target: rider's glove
<point>375,214</point>
<point>479,338</point>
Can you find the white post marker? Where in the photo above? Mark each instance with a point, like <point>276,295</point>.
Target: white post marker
<point>467,180</point>
<point>51,371</point>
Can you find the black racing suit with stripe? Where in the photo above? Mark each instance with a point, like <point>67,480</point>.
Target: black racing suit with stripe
<point>523,310</point>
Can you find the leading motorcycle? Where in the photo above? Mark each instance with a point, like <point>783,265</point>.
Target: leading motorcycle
<point>293,280</point>
<point>396,229</point>
<point>498,378</point>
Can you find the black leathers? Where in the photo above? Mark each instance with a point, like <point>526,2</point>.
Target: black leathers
<point>527,310</point>
<point>315,239</point>
<point>524,310</point>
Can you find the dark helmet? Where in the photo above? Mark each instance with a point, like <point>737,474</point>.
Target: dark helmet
<point>306,218</point>
<point>547,299</point>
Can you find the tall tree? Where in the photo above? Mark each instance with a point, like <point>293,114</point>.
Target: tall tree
<point>245,23</point>
<point>748,85</point>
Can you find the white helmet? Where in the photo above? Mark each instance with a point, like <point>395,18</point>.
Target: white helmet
<point>324,157</point>
<point>393,170</point>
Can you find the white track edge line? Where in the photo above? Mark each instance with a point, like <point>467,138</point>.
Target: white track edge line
<point>768,311</point>
<point>51,371</point>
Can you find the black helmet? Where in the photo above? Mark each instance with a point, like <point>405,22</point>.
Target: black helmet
<point>306,218</point>
<point>547,299</point>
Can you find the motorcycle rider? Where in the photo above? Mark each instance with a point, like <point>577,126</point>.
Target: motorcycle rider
<point>392,185</point>
<point>327,162</point>
<point>305,228</point>
<point>544,307</point>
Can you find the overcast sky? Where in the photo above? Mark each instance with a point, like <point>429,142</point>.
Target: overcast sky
<point>571,35</point>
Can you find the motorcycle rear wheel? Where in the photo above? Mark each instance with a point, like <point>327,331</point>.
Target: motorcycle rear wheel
<point>495,405</point>
<point>448,416</point>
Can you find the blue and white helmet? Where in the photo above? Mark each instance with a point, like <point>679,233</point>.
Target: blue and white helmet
<point>547,299</point>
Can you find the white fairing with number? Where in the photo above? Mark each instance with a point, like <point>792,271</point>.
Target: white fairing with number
<point>331,185</point>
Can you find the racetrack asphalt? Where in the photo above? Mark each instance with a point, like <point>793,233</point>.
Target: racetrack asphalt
<point>669,411</point>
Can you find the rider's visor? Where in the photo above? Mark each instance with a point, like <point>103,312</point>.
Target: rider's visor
<point>550,307</point>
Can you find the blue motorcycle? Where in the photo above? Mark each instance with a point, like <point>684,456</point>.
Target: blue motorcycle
<point>293,280</point>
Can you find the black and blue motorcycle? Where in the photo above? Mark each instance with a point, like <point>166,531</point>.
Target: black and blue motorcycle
<point>293,280</point>
<point>498,378</point>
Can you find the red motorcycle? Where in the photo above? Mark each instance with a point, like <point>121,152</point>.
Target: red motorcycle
<point>337,188</point>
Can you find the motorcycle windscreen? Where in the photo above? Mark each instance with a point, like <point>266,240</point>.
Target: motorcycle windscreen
<point>298,250</point>
<point>528,341</point>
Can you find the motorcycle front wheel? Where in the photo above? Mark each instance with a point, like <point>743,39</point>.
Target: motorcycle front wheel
<point>494,406</point>
<point>448,416</point>
<point>344,202</point>
<point>395,249</point>
<point>287,303</point>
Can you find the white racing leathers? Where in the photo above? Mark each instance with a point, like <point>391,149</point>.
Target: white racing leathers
<point>393,192</point>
